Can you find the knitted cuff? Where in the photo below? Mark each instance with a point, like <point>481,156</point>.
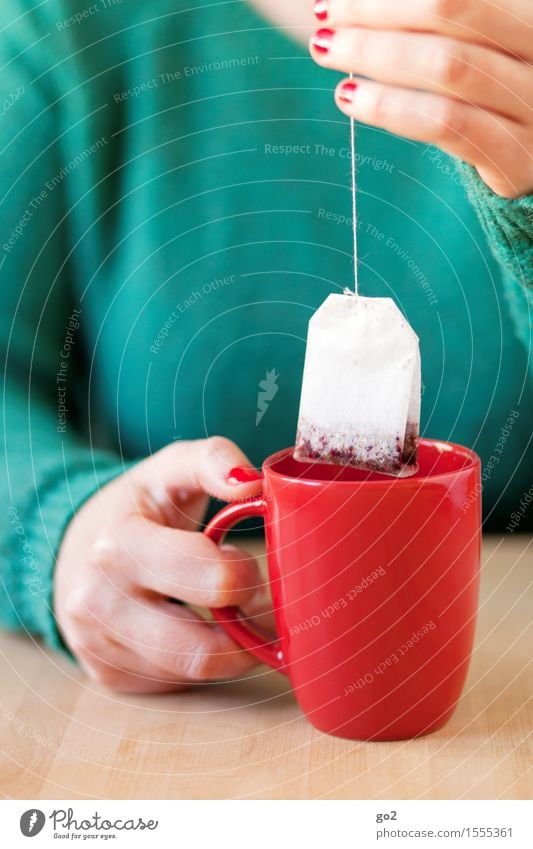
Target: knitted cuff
<point>36,534</point>
<point>508,224</point>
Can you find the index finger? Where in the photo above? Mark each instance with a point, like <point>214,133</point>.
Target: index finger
<point>507,27</point>
<point>199,465</point>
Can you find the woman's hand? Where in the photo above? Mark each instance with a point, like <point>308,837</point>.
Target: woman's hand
<point>454,73</point>
<point>132,548</point>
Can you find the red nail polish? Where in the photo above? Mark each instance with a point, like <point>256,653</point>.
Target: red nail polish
<point>243,474</point>
<point>321,9</point>
<point>322,40</point>
<point>347,92</point>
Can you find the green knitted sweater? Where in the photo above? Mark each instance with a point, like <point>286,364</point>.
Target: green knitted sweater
<point>175,205</point>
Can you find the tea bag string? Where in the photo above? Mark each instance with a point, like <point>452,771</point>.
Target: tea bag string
<point>354,205</point>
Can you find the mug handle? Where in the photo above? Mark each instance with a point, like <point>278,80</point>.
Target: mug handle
<point>231,618</point>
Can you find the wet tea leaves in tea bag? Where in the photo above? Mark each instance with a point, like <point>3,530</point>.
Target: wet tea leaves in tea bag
<point>360,402</point>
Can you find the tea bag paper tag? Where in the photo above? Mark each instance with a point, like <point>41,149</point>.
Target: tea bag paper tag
<point>360,401</point>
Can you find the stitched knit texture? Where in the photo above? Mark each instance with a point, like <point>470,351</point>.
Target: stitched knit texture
<point>28,562</point>
<point>508,224</point>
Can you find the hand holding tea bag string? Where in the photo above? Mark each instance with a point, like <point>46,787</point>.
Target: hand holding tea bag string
<point>456,73</point>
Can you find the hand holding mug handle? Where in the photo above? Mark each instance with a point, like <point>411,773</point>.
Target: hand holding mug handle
<point>231,618</point>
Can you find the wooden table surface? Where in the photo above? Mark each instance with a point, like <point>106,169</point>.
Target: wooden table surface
<point>64,738</point>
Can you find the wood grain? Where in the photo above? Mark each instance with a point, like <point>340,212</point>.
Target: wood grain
<point>64,738</point>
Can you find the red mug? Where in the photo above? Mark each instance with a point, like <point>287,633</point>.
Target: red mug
<point>374,585</point>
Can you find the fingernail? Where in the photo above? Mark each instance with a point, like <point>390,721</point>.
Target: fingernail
<point>242,474</point>
<point>321,9</point>
<point>322,40</point>
<point>347,92</point>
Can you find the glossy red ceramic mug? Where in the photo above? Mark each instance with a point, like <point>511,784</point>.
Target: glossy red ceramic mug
<point>375,588</point>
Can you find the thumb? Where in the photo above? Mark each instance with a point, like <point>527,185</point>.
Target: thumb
<point>215,465</point>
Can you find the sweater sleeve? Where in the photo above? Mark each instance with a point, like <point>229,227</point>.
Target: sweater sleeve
<point>49,467</point>
<point>508,225</point>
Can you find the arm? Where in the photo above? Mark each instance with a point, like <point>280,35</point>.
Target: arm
<point>48,468</point>
<point>108,560</point>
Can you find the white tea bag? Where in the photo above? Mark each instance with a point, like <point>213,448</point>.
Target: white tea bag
<point>360,402</point>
